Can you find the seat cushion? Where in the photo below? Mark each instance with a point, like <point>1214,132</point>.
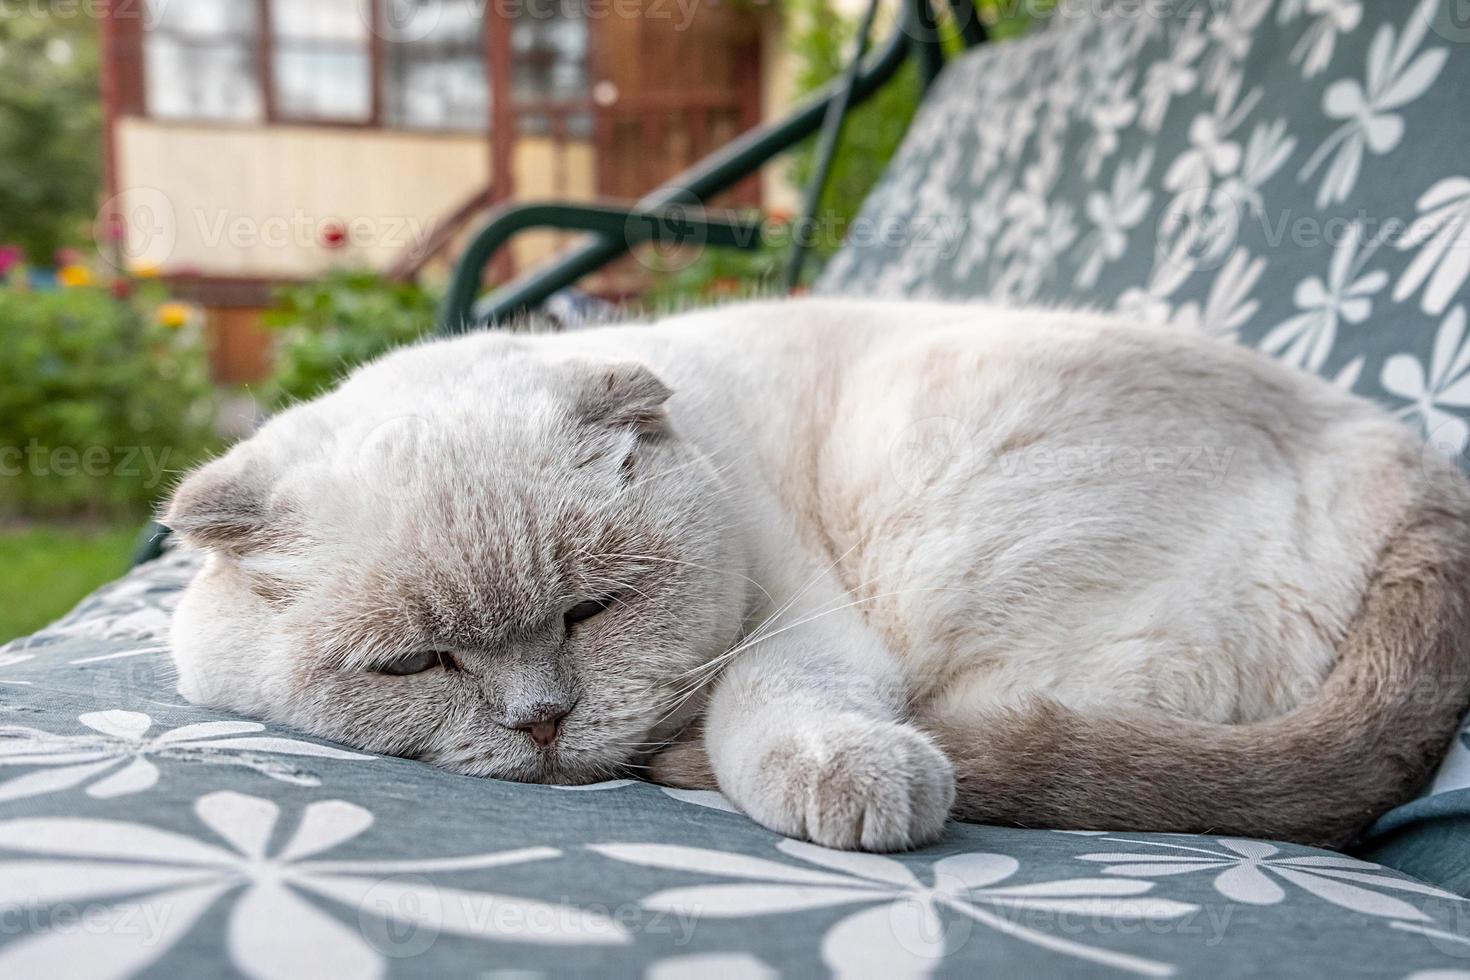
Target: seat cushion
<point>142,834</point>
<point>1292,174</point>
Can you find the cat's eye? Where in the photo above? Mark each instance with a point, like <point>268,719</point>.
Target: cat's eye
<point>585,610</point>
<point>417,663</point>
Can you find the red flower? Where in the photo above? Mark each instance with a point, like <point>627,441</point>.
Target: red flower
<point>334,234</point>
<point>122,288</point>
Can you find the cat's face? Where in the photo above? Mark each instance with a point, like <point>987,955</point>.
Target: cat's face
<point>469,554</point>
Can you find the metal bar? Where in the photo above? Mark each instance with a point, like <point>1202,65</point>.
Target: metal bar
<point>665,223</point>
<point>832,125</point>
<point>742,156</point>
<point>972,29</point>
<point>928,50</point>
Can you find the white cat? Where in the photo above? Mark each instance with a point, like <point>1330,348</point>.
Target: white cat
<point>868,565</point>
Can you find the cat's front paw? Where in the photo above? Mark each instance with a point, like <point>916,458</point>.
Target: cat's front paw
<point>853,783</point>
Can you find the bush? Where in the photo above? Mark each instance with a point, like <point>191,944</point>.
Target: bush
<point>101,401</point>
<point>328,327</point>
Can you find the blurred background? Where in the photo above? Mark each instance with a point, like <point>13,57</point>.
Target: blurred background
<point>210,208</point>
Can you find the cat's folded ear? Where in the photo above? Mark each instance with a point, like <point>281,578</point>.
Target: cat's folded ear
<point>623,394</point>
<point>226,506</point>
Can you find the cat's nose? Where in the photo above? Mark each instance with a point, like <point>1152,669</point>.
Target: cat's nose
<point>542,724</point>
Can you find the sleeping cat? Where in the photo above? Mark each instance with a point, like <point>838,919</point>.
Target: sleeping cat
<point>862,566</point>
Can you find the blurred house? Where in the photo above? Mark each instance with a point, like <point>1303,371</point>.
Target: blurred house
<point>253,142</point>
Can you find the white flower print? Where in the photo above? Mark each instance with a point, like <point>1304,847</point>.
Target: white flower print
<point>118,759</point>
<point>12,659</point>
<point>1113,112</point>
<point>900,930</point>
<point>1174,76</point>
<point>1313,52</point>
<point>1306,339</point>
<point>1229,305</point>
<point>1440,397</point>
<point>1266,152</point>
<point>987,217</point>
<point>1232,31</point>
<point>1114,215</point>
<point>277,927</point>
<point>1397,74</point>
<point>1211,153</point>
<point>1151,306</point>
<point>713,799</point>
<point>1252,872</point>
<point>1441,233</point>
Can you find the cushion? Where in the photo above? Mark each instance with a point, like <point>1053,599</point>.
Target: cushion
<point>140,834</point>
<point>1293,174</point>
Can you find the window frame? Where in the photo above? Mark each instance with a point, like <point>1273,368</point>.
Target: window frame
<point>264,43</point>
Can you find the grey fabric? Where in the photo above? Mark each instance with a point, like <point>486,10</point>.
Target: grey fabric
<point>1292,174</point>
<point>141,835</point>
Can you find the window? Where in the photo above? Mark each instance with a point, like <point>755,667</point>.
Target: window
<point>321,59</point>
<point>200,60</point>
<point>434,65</point>
<point>548,45</point>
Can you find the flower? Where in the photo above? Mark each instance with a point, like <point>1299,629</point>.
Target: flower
<point>1438,397</point>
<point>11,257</point>
<point>1251,872</point>
<point>121,288</point>
<point>900,928</point>
<point>74,276</point>
<point>174,315</point>
<point>1346,296</point>
<point>334,235</point>
<point>146,270</point>
<point>117,760</point>
<point>1397,73</point>
<point>277,926</point>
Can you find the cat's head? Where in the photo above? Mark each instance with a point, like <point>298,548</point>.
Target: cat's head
<point>488,554</point>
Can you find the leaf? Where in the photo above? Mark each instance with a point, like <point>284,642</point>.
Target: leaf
<point>1415,82</point>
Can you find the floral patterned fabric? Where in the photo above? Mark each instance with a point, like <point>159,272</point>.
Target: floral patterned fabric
<point>140,835</point>
<point>1144,161</point>
<point>1292,174</point>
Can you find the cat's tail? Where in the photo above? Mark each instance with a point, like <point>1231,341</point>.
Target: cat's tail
<point>1367,741</point>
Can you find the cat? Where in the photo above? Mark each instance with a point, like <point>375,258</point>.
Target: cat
<point>862,566</point>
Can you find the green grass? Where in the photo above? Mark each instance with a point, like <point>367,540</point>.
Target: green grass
<point>46,569</point>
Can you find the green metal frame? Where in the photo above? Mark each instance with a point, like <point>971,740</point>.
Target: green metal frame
<point>915,35</point>
<point>672,214</point>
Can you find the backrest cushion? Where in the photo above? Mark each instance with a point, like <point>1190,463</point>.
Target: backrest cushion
<point>1292,173</point>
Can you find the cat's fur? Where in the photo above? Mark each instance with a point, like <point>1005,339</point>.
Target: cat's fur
<point>1091,575</point>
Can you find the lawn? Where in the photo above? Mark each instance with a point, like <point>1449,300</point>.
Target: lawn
<point>45,570</point>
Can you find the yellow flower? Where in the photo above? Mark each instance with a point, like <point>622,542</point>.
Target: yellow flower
<point>146,270</point>
<point>74,276</point>
<point>174,315</point>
